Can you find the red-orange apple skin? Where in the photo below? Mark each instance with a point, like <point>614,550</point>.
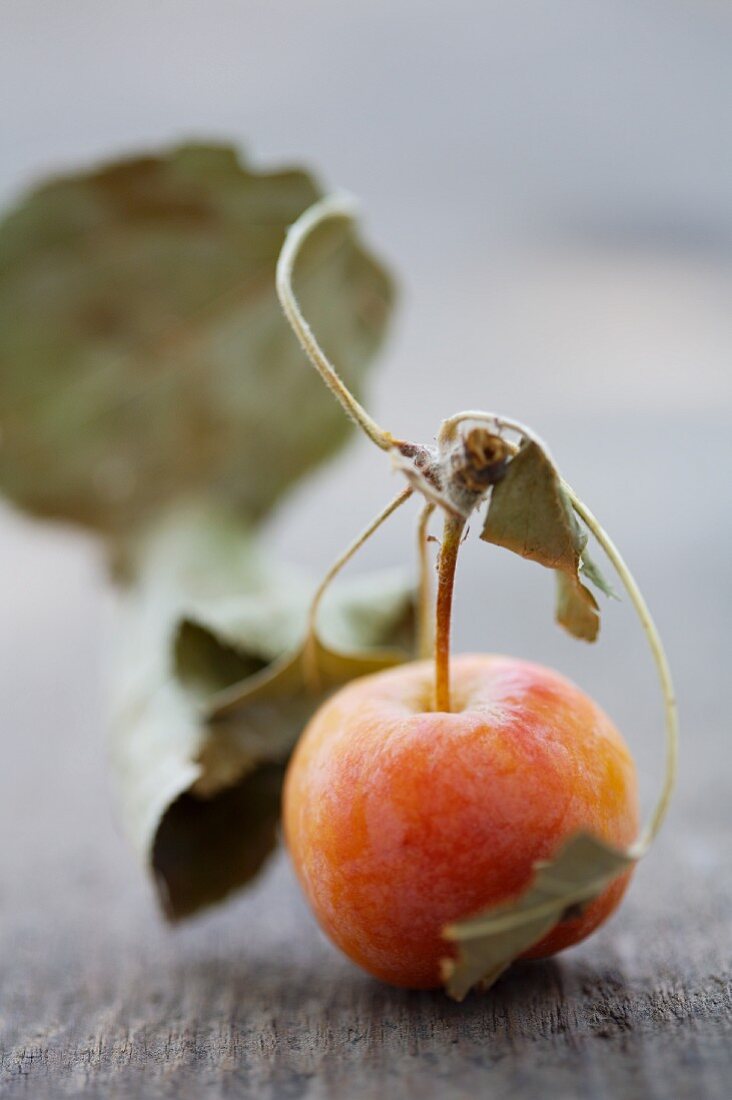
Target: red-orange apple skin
<point>400,819</point>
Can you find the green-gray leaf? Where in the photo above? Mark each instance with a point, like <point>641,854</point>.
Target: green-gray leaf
<point>489,942</point>
<point>590,569</point>
<point>143,354</point>
<point>530,514</point>
<point>209,621</point>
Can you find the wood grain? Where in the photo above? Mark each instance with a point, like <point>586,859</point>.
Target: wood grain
<point>100,1000</point>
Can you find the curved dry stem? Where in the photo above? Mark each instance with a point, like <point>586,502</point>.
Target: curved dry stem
<point>309,653</point>
<point>426,620</point>
<point>449,426</point>
<point>662,667</point>
<point>325,210</point>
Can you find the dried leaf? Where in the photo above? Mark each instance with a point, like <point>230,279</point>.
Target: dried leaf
<point>143,354</point>
<point>208,614</point>
<point>530,513</point>
<point>490,941</point>
<point>591,570</point>
<point>577,609</point>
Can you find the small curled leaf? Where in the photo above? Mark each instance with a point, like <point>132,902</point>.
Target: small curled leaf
<point>489,942</point>
<point>530,514</point>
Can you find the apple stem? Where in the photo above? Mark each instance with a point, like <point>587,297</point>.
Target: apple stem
<point>425,611</point>
<point>311,638</point>
<point>451,538</point>
<point>327,209</point>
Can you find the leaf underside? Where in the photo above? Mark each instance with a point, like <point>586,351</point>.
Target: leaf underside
<point>144,357</point>
<point>489,942</point>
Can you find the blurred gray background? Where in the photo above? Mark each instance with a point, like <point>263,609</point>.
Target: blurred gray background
<point>552,184</point>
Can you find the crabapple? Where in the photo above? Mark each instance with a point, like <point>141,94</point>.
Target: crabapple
<point>401,819</point>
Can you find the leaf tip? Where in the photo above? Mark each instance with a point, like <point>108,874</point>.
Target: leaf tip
<point>448,967</point>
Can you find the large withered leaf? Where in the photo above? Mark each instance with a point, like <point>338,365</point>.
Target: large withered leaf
<point>530,513</point>
<point>143,354</point>
<point>210,621</point>
<point>489,942</point>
